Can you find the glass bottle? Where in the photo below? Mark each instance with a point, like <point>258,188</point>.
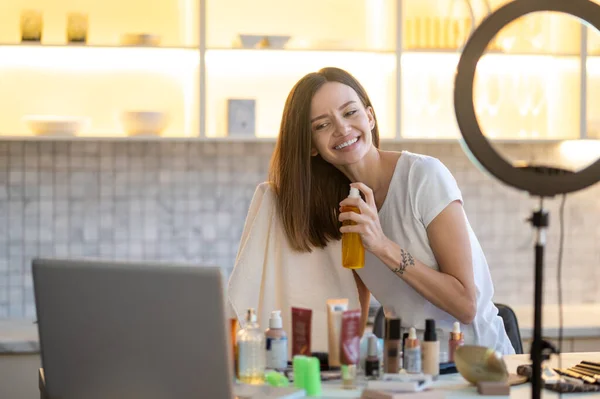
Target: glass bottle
<point>251,351</point>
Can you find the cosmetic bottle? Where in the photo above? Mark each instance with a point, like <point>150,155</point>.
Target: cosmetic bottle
<point>277,343</point>
<point>404,338</point>
<point>372,362</point>
<point>353,251</point>
<point>412,353</point>
<point>430,350</point>
<point>391,346</point>
<point>350,347</point>
<point>251,351</point>
<point>335,311</point>
<point>456,340</point>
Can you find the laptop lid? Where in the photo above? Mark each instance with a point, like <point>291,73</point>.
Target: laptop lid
<point>125,330</point>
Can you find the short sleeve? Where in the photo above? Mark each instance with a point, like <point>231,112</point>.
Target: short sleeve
<point>432,188</point>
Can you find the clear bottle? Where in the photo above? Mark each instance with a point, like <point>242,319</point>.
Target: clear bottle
<point>251,351</point>
<point>353,251</point>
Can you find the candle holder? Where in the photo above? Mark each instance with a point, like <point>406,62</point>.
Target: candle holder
<point>77,27</point>
<point>32,24</point>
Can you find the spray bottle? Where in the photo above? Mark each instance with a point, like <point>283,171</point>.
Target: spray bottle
<point>353,251</point>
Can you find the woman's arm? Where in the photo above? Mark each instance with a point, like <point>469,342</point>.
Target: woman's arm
<point>364,297</point>
<point>452,288</point>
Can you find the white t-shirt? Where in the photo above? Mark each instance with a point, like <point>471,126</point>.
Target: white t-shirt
<point>420,189</point>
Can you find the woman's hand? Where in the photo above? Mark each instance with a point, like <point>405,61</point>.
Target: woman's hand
<point>367,222</point>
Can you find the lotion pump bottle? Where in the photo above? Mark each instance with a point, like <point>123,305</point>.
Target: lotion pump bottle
<point>276,342</point>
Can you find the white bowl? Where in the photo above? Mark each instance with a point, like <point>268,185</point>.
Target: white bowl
<point>251,41</point>
<point>52,125</point>
<point>279,42</point>
<point>144,123</point>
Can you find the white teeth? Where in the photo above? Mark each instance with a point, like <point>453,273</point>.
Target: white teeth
<point>347,143</point>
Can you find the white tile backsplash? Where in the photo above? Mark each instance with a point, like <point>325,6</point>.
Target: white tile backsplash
<point>187,202</point>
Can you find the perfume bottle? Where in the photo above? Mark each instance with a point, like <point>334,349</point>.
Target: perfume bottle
<point>251,351</point>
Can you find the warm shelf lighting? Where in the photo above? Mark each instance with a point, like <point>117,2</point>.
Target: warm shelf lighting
<point>268,75</point>
<point>542,86</point>
<point>593,65</point>
<point>262,62</point>
<point>496,62</point>
<point>580,153</point>
<point>82,58</point>
<point>99,83</point>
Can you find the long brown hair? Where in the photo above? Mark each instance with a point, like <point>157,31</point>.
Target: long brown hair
<point>308,188</point>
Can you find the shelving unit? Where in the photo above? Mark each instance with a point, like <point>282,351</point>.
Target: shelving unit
<point>533,85</point>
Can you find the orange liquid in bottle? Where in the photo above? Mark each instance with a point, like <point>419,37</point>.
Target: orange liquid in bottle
<point>353,251</point>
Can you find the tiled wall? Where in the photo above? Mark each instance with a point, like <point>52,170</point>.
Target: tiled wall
<point>188,201</point>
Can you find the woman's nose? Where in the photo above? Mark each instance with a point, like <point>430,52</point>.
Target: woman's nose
<point>342,127</point>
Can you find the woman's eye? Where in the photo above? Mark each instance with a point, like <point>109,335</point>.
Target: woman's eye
<point>350,113</point>
<point>321,126</point>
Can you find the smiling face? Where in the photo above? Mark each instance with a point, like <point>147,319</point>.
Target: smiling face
<point>341,125</point>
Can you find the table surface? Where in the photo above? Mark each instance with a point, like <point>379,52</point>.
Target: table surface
<point>579,320</point>
<point>454,386</point>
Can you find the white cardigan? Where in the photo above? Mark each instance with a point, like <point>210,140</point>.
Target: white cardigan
<point>268,275</point>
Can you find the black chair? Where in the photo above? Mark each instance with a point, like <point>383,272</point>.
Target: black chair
<point>511,325</point>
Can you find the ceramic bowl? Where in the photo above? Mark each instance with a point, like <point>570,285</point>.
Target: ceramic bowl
<point>144,123</point>
<point>53,125</point>
<point>251,41</point>
<point>278,42</point>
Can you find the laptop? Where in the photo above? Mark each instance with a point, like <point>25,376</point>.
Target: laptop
<point>132,330</point>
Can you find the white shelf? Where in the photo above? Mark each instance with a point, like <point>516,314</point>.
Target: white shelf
<point>256,140</point>
<point>98,57</point>
<point>93,46</point>
<point>34,45</point>
<point>307,49</point>
<point>457,52</point>
<point>140,138</point>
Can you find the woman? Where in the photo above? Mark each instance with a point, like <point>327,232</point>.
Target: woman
<point>423,259</point>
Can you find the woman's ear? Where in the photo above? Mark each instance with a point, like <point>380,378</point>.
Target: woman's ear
<point>314,152</point>
<point>371,117</point>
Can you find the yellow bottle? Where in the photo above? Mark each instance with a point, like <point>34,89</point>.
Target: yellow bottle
<point>353,251</point>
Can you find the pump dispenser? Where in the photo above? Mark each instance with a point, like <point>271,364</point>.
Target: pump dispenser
<point>456,340</point>
<point>412,353</point>
<point>276,343</point>
<point>353,251</point>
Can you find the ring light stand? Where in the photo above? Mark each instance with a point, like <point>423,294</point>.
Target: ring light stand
<point>539,181</point>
